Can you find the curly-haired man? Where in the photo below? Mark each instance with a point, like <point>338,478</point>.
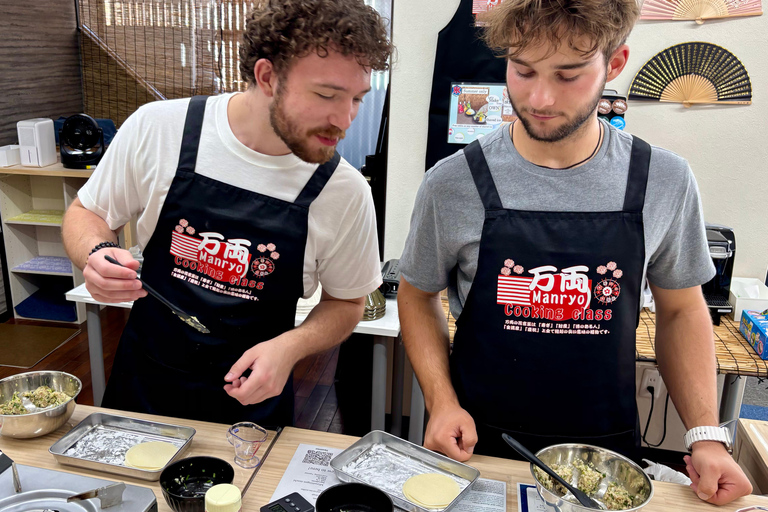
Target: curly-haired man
<point>243,205</point>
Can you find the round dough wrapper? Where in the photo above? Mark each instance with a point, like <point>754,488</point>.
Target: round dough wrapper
<point>431,489</point>
<point>150,455</point>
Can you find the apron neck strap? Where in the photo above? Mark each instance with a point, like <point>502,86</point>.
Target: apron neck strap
<point>190,141</point>
<point>318,180</point>
<point>637,181</point>
<point>478,166</point>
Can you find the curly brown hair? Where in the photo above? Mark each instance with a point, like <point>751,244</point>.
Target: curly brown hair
<point>282,30</point>
<point>516,25</point>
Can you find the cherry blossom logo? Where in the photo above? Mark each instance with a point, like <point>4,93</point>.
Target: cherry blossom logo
<point>184,227</point>
<point>509,267</point>
<point>607,290</point>
<point>264,265</point>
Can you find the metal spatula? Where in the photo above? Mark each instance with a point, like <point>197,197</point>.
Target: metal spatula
<point>530,457</point>
<point>109,496</point>
<point>185,317</point>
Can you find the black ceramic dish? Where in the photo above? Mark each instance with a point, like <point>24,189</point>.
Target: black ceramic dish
<point>185,482</point>
<point>353,498</point>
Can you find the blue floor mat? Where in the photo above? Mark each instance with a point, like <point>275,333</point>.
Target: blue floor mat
<point>754,412</point>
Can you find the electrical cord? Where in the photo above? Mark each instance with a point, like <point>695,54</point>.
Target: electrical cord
<point>650,414</point>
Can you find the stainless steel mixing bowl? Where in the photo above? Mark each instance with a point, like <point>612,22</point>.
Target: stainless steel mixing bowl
<point>42,422</point>
<point>616,467</point>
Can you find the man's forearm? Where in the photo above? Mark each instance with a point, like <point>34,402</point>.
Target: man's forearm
<point>327,325</point>
<point>425,336</point>
<point>81,231</point>
<point>685,351</point>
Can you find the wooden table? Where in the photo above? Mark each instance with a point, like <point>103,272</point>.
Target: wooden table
<point>210,439</point>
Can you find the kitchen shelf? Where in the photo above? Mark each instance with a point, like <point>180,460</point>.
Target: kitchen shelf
<point>32,202</point>
<point>38,218</point>
<point>46,265</point>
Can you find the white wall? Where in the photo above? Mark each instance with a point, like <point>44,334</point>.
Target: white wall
<point>727,146</point>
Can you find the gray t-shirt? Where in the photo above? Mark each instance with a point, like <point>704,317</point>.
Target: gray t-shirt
<point>447,221</point>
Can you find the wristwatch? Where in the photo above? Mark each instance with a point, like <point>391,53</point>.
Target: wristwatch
<point>720,434</point>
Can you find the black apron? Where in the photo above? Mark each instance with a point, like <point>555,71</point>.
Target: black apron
<point>462,56</point>
<point>234,259</point>
<point>545,345</point>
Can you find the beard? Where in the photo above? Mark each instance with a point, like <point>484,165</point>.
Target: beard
<point>572,124</point>
<point>297,138</point>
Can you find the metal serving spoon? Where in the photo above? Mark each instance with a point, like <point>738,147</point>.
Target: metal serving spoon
<point>185,317</point>
<point>530,457</point>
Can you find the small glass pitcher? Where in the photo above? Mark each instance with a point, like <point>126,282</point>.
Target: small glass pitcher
<point>246,437</point>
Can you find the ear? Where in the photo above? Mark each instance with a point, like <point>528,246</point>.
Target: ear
<point>265,76</point>
<point>617,61</point>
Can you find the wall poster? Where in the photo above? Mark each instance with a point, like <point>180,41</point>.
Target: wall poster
<point>476,110</point>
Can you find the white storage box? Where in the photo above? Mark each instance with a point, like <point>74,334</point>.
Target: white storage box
<point>747,293</point>
<point>9,155</point>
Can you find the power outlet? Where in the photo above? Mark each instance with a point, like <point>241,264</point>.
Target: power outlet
<point>651,378</point>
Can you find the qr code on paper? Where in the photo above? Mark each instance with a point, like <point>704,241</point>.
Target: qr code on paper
<point>317,457</point>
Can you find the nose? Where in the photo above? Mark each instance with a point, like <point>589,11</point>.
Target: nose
<point>343,115</point>
<point>542,96</point>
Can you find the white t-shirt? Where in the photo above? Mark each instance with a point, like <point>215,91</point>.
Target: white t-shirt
<point>136,172</point>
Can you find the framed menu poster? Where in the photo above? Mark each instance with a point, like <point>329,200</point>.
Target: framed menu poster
<point>476,110</point>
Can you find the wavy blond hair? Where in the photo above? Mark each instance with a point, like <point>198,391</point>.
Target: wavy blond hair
<point>515,25</point>
<point>281,30</point>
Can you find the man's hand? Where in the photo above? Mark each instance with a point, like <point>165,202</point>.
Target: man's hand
<point>270,365</point>
<point>107,282</point>
<point>715,476</point>
<point>451,430</point>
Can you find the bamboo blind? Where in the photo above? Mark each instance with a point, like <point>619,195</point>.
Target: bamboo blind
<point>734,355</point>
<point>144,50</point>
<point>40,63</point>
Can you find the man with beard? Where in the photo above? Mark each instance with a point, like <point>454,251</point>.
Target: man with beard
<point>243,205</point>
<point>543,232</point>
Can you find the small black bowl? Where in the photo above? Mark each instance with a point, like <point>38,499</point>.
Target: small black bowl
<point>185,482</point>
<point>353,498</point>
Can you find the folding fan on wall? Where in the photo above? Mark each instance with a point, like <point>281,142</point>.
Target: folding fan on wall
<point>691,73</point>
<point>699,10</point>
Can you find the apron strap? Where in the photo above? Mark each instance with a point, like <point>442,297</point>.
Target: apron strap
<point>478,166</point>
<point>637,181</point>
<point>190,141</point>
<point>318,180</point>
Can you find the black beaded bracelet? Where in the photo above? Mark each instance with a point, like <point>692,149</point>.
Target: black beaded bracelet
<point>103,245</point>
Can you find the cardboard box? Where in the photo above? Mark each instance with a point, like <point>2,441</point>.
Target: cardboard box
<point>750,451</point>
<point>754,327</point>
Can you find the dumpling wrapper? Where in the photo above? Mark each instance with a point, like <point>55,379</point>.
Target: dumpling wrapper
<point>151,455</point>
<point>432,490</point>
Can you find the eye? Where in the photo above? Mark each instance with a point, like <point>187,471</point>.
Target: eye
<point>358,101</point>
<point>567,79</point>
<point>325,97</point>
<point>524,75</point>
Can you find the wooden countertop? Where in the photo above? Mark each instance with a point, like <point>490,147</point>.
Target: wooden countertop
<point>734,355</point>
<point>210,439</point>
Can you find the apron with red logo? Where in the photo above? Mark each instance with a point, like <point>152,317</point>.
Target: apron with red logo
<point>545,345</point>
<point>234,259</point>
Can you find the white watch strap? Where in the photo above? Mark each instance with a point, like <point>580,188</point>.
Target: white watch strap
<point>707,433</point>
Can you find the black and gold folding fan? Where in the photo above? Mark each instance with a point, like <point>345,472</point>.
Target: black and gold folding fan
<point>699,10</point>
<point>691,73</point>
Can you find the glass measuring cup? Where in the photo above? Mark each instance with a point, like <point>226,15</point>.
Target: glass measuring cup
<point>246,437</point>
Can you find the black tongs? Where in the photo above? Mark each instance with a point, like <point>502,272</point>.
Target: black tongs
<point>185,317</point>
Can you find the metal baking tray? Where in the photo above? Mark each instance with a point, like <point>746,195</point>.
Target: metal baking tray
<point>100,441</point>
<point>386,462</point>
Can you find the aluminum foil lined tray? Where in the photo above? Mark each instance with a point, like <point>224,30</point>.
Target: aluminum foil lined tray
<point>386,462</point>
<point>101,440</point>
